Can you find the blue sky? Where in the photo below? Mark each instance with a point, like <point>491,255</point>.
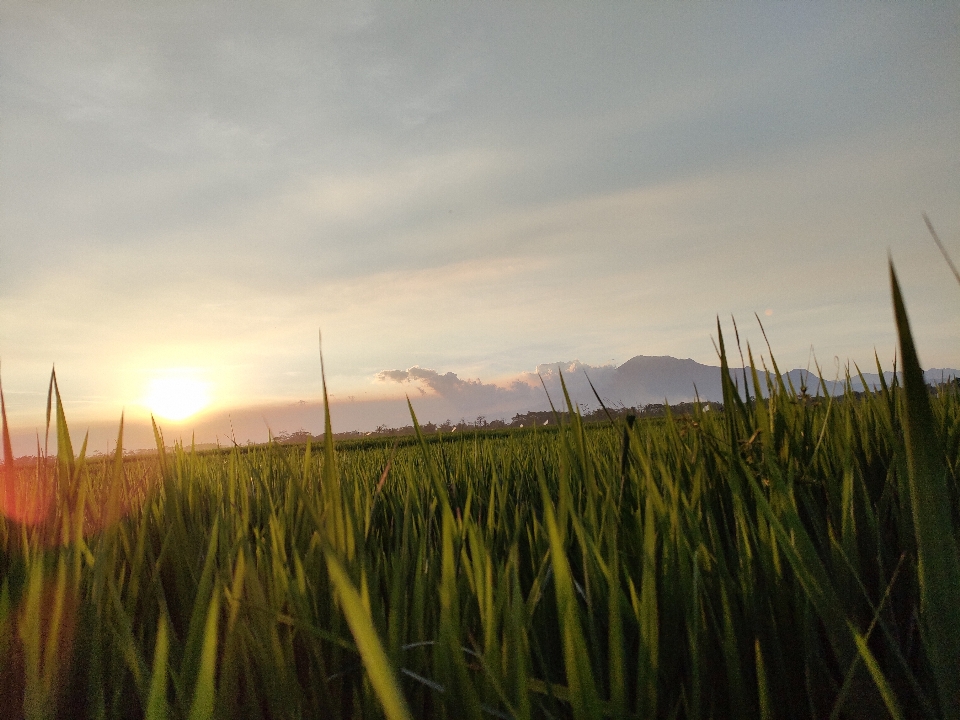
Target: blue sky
<point>195,189</point>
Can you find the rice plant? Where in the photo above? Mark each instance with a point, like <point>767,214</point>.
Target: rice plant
<point>789,557</point>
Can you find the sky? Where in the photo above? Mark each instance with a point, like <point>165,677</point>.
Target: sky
<point>190,192</point>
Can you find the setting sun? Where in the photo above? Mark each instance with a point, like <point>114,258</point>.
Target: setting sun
<point>176,397</point>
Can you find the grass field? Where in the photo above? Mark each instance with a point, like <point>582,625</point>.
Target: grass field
<point>788,557</point>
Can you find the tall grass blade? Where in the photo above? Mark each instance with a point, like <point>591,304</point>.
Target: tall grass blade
<point>337,524</point>
<point>375,660</point>
<point>205,692</point>
<point>161,447</point>
<point>8,473</point>
<point>157,708</point>
<point>576,659</point>
<point>938,558</point>
<point>115,482</point>
<point>943,250</point>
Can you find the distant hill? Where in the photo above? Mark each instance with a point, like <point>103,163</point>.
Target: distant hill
<point>648,379</point>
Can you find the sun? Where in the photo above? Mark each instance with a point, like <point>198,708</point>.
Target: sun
<point>176,397</point>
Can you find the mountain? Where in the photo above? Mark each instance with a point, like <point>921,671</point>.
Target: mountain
<point>648,379</point>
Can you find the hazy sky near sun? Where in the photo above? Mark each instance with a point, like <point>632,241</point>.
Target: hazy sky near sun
<point>197,188</point>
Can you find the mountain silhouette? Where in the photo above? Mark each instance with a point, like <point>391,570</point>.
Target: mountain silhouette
<point>648,379</point>
<point>645,379</point>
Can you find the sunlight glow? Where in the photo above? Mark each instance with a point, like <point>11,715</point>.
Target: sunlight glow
<point>176,397</point>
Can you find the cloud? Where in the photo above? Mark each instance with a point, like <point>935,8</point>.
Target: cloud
<point>394,375</point>
<point>518,393</point>
<point>473,395</point>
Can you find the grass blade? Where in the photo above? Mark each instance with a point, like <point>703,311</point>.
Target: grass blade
<point>205,692</point>
<point>576,660</point>
<point>157,699</point>
<point>938,559</point>
<point>381,675</point>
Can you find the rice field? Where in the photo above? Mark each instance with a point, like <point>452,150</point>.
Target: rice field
<point>788,557</point>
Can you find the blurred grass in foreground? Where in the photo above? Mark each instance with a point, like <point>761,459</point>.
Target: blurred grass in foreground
<point>788,557</point>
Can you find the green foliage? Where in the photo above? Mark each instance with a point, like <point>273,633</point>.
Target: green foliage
<point>789,557</point>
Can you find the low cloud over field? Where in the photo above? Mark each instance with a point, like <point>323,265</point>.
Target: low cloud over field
<point>452,387</point>
<point>639,381</point>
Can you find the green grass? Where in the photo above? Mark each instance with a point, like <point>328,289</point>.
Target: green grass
<point>784,558</point>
